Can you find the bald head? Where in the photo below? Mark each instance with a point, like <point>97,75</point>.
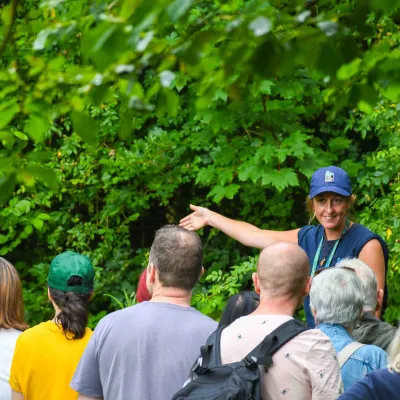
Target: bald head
<point>283,269</point>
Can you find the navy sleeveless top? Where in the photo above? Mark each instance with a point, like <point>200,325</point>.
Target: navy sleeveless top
<point>350,245</point>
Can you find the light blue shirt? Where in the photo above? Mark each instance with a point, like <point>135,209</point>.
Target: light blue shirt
<point>364,360</point>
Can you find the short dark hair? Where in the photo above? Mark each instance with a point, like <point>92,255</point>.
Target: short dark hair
<point>178,255</point>
<point>239,305</point>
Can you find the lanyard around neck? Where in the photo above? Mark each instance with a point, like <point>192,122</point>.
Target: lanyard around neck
<point>333,251</point>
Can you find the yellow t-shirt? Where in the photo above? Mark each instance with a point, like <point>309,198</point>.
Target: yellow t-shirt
<point>45,361</point>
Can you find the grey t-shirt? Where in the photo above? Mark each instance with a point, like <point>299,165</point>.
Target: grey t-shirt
<point>142,352</point>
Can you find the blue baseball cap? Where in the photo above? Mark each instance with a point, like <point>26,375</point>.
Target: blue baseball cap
<point>330,179</point>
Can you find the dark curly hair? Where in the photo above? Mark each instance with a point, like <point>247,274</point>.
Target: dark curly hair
<point>74,309</point>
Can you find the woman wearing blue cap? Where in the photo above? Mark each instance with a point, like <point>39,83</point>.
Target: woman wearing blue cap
<point>334,238</point>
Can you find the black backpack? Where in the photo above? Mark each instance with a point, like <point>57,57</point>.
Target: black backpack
<point>239,380</point>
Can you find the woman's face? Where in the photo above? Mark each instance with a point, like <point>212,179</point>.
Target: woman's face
<point>331,210</point>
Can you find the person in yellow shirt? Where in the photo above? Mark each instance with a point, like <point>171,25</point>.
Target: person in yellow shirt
<point>47,355</point>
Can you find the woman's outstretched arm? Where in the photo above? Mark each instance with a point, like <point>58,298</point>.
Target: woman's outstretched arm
<point>245,233</point>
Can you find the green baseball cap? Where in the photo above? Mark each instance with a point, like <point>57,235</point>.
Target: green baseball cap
<point>69,264</point>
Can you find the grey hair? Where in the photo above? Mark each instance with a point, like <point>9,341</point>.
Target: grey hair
<point>394,353</point>
<point>336,297</point>
<point>368,279</point>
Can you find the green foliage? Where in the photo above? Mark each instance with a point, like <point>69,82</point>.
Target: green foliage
<point>116,115</point>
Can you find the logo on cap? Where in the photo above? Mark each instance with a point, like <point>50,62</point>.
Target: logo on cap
<point>329,176</point>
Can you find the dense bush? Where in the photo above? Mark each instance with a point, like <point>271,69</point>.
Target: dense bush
<point>115,116</point>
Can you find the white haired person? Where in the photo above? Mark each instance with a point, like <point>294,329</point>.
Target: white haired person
<point>369,329</point>
<point>336,302</point>
<point>383,384</point>
<point>335,237</point>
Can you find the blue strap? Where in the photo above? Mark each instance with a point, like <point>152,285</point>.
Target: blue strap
<point>333,251</point>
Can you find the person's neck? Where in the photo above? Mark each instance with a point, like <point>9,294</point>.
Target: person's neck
<point>176,296</point>
<point>334,234</point>
<point>57,311</point>
<point>276,306</point>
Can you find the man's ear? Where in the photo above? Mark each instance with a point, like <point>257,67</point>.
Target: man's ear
<point>307,286</point>
<point>314,313</point>
<point>379,300</point>
<point>151,272</point>
<point>201,272</point>
<point>256,282</point>
<point>48,294</point>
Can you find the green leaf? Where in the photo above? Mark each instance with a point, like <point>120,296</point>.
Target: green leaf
<point>168,103</point>
<point>178,8</point>
<point>392,91</point>
<point>329,59</point>
<point>23,206</point>
<point>36,128</point>
<point>39,156</point>
<point>3,239</point>
<point>46,175</point>
<point>339,143</point>
<point>28,229</point>
<point>7,185</point>
<point>219,192</point>
<point>126,125</point>
<point>20,135</point>
<point>38,224</point>
<point>347,71</point>
<point>85,126</point>
<point>104,44</point>
<point>8,113</point>
<point>280,179</point>
<point>383,5</point>
<point>43,216</point>
<point>365,107</point>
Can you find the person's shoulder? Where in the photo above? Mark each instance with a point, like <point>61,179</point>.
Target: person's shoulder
<point>116,316</point>
<point>373,350</point>
<point>88,333</point>
<point>384,374</point>
<point>371,355</point>
<point>308,229</point>
<point>33,334</point>
<point>383,377</point>
<point>309,232</point>
<point>204,319</point>
<point>10,333</point>
<point>314,334</point>
<point>314,339</point>
<point>362,231</point>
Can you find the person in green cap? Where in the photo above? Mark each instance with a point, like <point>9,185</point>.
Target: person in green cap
<point>47,355</point>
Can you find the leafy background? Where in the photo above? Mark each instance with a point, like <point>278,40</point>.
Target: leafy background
<point>114,116</point>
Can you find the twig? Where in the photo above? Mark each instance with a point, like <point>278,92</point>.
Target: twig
<point>7,37</point>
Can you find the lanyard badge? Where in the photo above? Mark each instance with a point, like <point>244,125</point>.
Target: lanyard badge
<point>331,254</point>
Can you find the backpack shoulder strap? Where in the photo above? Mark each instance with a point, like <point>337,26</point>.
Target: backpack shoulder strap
<point>263,353</point>
<point>210,353</point>
<point>348,351</point>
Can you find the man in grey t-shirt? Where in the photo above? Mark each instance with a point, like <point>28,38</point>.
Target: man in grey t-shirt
<point>146,351</point>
